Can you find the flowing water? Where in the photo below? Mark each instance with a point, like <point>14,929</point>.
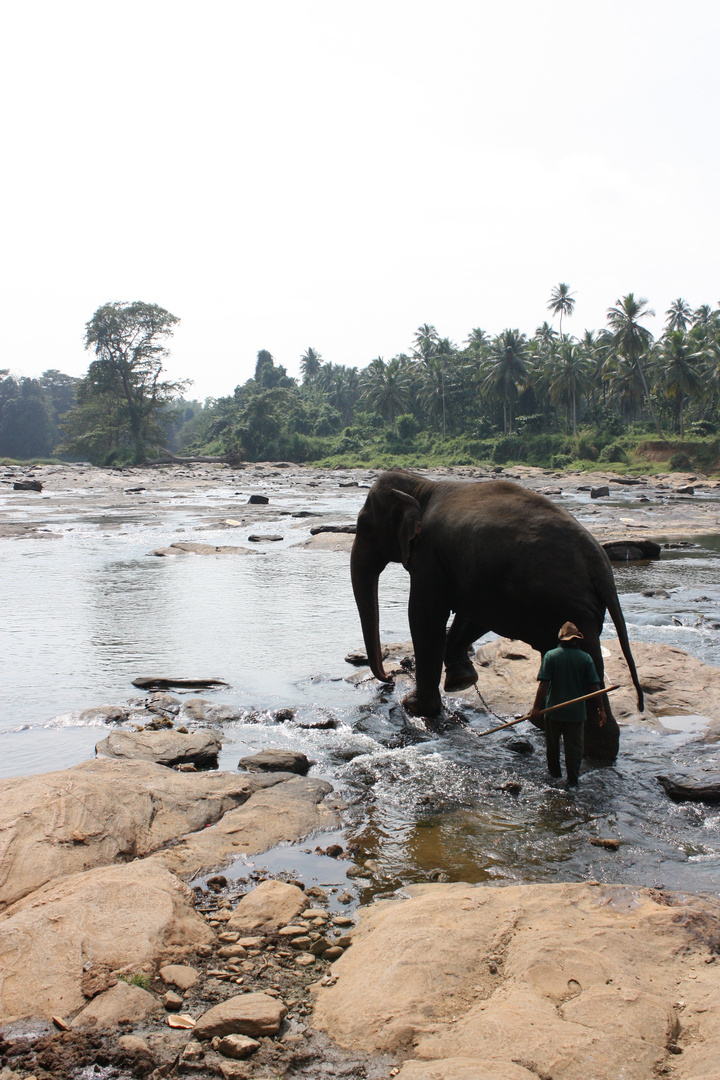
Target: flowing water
<point>83,614</point>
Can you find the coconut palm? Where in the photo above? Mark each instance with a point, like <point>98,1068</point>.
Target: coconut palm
<point>570,375</point>
<point>561,302</point>
<point>679,374</point>
<point>477,339</point>
<point>631,340</point>
<point>679,315</point>
<point>425,342</point>
<point>310,363</point>
<point>505,371</point>
<point>386,386</point>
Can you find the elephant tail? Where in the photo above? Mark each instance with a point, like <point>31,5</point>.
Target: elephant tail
<point>613,606</point>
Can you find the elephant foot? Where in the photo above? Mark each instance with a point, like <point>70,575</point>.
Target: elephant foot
<point>418,706</point>
<point>459,676</point>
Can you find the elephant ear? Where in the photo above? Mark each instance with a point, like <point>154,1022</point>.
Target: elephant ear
<point>410,527</point>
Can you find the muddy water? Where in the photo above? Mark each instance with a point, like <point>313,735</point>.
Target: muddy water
<point>85,613</point>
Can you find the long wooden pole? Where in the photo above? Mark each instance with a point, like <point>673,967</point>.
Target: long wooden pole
<point>551,708</point>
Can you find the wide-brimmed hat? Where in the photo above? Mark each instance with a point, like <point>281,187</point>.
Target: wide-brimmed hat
<point>569,632</point>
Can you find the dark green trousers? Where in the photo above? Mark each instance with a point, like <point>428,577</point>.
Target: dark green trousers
<point>572,734</point>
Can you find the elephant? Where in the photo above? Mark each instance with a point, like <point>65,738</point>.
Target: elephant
<point>500,557</point>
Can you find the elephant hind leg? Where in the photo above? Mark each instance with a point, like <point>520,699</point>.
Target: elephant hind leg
<point>460,671</point>
<point>601,743</point>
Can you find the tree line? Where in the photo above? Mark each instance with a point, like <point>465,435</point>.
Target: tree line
<point>437,396</point>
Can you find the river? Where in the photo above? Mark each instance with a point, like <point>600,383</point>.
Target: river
<point>85,612</point>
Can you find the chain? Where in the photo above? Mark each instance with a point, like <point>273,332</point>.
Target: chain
<point>487,708</point>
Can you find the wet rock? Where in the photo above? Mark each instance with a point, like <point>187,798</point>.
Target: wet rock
<point>631,550</point>
<point>217,882</point>
<point>688,490</point>
<point>333,953</point>
<point>27,485</point>
<point>318,722</point>
<point>511,787</point>
<point>258,500</point>
<point>163,703</point>
<point>276,761</point>
<point>520,746</point>
<point>692,787</point>
<point>315,530</point>
<point>181,975</point>
<point>345,898</point>
<point>204,711</point>
<point>108,714</point>
<point>163,747</point>
<point>660,594</point>
<point>269,906</point>
<point>255,1015</point>
<point>609,843</point>
<point>123,1002</point>
<point>237,1046</point>
<point>193,548</point>
<point>283,715</point>
<point>165,682</point>
<point>172,1001</point>
<point>264,538</point>
<point>599,492</point>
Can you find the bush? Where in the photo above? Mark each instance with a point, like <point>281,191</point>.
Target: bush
<point>407,426</point>
<point>586,450</point>
<point>560,461</point>
<point>680,462</point>
<point>510,448</point>
<point>613,452</point>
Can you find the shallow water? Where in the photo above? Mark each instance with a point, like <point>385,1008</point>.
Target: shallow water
<point>84,614</point>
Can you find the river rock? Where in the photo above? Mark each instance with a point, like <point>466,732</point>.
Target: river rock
<point>255,1015</point>
<point>631,550</point>
<point>259,500</point>
<point>163,703</point>
<point>270,905</point>
<point>27,485</point>
<point>264,538</point>
<point>276,761</point>
<point>120,1004</point>
<point>692,787</point>
<point>121,916</point>
<point>237,1046</point>
<point>189,548</point>
<point>107,714</point>
<point>315,530</point>
<point>209,712</point>
<point>103,811</point>
<point>181,975</point>
<point>166,682</point>
<point>587,982</point>
<point>600,492</point>
<point>200,748</point>
<point>172,1001</point>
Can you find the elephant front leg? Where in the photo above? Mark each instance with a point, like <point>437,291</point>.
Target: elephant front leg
<point>428,618</point>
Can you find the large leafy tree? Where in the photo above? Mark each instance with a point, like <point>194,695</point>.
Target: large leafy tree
<point>386,386</point>
<point>129,340</point>
<point>631,340</point>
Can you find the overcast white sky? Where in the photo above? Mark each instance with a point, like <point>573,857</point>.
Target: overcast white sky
<point>319,172</point>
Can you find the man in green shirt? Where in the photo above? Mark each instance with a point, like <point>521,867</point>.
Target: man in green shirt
<point>566,672</point>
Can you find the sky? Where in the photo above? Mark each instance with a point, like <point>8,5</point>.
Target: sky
<point>323,173</point>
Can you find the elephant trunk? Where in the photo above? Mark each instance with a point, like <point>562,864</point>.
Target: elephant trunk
<point>365,574</point>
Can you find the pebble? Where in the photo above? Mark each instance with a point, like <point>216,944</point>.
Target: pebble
<point>237,950</point>
<point>343,920</point>
<point>314,913</point>
<point>305,959</point>
<point>333,953</point>
<point>236,1046</point>
<point>172,1001</point>
<point>193,1051</point>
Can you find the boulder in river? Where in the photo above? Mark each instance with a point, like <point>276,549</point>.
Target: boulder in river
<point>276,761</point>
<point>692,786</point>
<point>599,492</point>
<point>631,550</point>
<point>27,485</point>
<point>210,712</point>
<point>166,682</point>
<point>268,907</point>
<point>200,748</point>
<point>259,500</point>
<point>316,529</point>
<point>255,1015</point>
<point>264,538</point>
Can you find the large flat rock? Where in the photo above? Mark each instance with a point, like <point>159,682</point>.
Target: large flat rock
<point>569,981</point>
<point>100,812</point>
<point>267,907</point>
<point>245,1014</point>
<point>200,748</point>
<point>121,916</point>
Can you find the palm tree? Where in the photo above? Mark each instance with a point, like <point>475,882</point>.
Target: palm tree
<point>425,341</point>
<point>477,339</point>
<point>386,386</point>
<point>679,315</point>
<point>561,302</point>
<point>631,340</point>
<point>570,376</point>
<point>546,335</point>
<point>505,370</point>
<point>310,362</point>
<point>680,376</point>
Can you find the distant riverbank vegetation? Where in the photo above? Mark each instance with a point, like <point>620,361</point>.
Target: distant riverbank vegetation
<point>614,398</point>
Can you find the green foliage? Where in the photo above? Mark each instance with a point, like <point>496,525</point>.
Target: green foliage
<point>680,462</point>
<point>613,452</point>
<point>136,980</point>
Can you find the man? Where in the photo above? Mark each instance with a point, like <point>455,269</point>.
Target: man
<point>566,672</point>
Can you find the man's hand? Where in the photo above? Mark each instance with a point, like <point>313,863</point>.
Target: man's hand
<point>602,716</point>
